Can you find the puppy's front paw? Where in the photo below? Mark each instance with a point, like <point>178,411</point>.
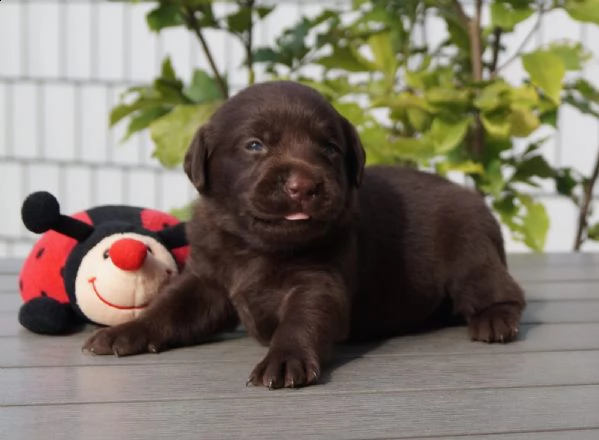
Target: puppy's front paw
<point>498,323</point>
<point>121,340</point>
<point>285,368</point>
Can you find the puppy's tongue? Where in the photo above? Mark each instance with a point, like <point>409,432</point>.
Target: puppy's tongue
<point>297,216</point>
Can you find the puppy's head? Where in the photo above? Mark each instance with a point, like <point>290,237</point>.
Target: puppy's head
<point>279,162</point>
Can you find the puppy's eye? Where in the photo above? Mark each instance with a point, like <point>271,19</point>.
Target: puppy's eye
<point>330,148</point>
<point>256,146</point>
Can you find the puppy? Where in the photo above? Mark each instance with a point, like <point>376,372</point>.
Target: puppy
<point>295,239</point>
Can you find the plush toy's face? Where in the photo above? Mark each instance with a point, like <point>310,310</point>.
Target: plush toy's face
<point>119,276</point>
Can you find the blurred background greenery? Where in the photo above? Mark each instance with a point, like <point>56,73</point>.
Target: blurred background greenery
<point>444,106</point>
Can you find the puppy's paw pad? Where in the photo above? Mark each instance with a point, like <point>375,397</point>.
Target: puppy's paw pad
<point>285,370</point>
<point>121,340</point>
<point>495,324</point>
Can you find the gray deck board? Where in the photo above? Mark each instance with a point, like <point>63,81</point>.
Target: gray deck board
<point>435,385</point>
<point>367,415</point>
<point>137,383</point>
<point>65,351</point>
<point>537,312</point>
<point>578,434</point>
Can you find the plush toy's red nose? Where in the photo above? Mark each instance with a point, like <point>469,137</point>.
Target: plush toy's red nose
<point>128,254</point>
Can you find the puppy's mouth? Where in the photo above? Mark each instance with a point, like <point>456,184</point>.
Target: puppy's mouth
<point>288,224</point>
<point>297,216</point>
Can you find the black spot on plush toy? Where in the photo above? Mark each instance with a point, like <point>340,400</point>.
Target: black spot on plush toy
<point>101,266</point>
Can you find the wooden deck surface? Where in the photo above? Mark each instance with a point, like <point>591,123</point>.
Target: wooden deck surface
<point>437,385</point>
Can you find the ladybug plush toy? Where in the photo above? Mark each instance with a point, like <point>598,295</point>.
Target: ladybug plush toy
<point>100,266</point>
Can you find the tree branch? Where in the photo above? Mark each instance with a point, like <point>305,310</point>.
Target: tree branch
<point>476,59</point>
<point>459,10</point>
<point>525,41</point>
<point>497,32</point>
<point>584,207</point>
<point>476,49</point>
<point>249,45</point>
<point>193,23</point>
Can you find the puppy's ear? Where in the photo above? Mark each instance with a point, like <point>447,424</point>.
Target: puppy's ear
<point>356,155</point>
<point>196,159</point>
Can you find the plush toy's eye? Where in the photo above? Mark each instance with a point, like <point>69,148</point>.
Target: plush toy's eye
<point>105,254</point>
<point>149,249</point>
<point>254,145</point>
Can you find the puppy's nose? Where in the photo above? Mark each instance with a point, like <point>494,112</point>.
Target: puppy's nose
<point>300,187</point>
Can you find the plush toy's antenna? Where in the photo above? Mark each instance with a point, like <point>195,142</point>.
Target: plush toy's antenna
<point>41,212</point>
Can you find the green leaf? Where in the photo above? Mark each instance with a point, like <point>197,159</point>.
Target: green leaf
<point>263,11</point>
<point>170,91</point>
<point>535,224</point>
<point>533,147</point>
<point>565,181</point>
<point>550,117</point>
<point>493,182</point>
<point>457,31</point>
<point>167,72</point>
<point>547,71</point>
<point>420,119</point>
<point>507,208</point>
<point>346,58</point>
<point>572,54</point>
<point>173,132</point>
<point>266,54</point>
<point>583,105</point>
<point>426,79</point>
<point>448,97</point>
<point>203,88</point>
<point>506,16</point>
<point>586,89</point>
<point>164,16</point>
<point>522,121</point>
<point>375,140</point>
<point>535,166</point>
<point>586,11</point>
<point>413,148</point>
<point>466,167</point>
<point>384,54</point>
<point>123,110</point>
<point>446,134</point>
<point>239,21</point>
<point>146,92</point>
<point>524,95</point>
<point>494,147</point>
<point>403,100</point>
<point>492,96</point>
<point>584,96</point>
<point>183,213</point>
<point>326,88</point>
<point>143,119</point>
<point>351,111</point>
<point>496,124</point>
<point>593,232</point>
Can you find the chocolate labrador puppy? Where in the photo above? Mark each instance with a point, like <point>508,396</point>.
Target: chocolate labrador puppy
<point>296,240</point>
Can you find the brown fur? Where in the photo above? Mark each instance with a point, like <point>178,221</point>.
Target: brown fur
<point>384,252</point>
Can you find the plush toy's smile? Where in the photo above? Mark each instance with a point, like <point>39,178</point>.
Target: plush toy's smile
<point>92,281</point>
